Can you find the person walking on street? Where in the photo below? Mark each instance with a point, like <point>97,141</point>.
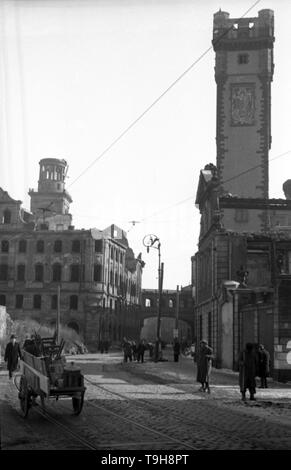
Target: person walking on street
<point>176,349</point>
<point>248,365</point>
<point>127,351</point>
<point>204,364</point>
<point>140,350</point>
<point>264,366</point>
<point>12,353</point>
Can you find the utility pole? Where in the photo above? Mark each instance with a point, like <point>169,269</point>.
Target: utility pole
<point>58,315</point>
<point>177,312</point>
<point>161,275</point>
<point>149,241</point>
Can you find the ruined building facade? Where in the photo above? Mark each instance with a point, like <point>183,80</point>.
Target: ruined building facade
<point>41,254</point>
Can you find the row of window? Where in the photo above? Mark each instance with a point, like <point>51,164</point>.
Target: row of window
<point>58,246</point>
<point>37,301</point>
<point>118,255</point>
<point>75,272</point>
<point>183,303</point>
<point>57,269</point>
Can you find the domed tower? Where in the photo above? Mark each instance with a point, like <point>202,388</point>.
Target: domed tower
<point>50,204</point>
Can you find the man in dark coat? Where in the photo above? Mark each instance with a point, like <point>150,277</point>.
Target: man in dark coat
<point>264,365</point>
<point>248,365</point>
<point>176,349</point>
<point>140,350</point>
<point>204,364</point>
<point>12,353</point>
<point>127,351</point>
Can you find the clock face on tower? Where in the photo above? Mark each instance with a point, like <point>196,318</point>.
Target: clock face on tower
<point>242,104</point>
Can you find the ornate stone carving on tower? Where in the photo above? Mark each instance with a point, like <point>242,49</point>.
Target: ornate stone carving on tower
<point>50,204</point>
<point>243,73</point>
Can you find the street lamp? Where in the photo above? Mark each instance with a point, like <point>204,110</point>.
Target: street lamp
<point>149,241</point>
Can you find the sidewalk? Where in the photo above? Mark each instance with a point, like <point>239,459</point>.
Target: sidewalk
<point>223,382</point>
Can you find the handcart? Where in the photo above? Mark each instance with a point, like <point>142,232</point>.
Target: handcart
<point>45,373</point>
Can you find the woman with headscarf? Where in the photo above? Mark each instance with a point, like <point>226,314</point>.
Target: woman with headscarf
<point>204,363</point>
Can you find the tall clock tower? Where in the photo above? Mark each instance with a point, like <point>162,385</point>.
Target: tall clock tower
<point>243,73</point>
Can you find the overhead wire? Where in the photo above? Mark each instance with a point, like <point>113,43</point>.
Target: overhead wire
<point>172,85</point>
<point>133,123</point>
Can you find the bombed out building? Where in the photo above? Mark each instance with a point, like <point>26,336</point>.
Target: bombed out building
<point>42,253</point>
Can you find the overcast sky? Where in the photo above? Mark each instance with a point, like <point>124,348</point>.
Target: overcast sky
<point>76,73</point>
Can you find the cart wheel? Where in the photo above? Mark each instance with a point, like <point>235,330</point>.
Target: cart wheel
<point>24,396</point>
<point>77,403</point>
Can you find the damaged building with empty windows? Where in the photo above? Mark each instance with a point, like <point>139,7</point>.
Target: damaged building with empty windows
<point>241,273</point>
<point>41,252</point>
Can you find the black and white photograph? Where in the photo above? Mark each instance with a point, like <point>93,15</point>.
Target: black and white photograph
<point>145,229</point>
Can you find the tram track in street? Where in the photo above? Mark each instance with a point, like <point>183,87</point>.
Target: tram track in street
<point>164,438</point>
<point>214,428</point>
<point>84,428</point>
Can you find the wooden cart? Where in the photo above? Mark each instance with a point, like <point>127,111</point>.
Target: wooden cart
<point>49,376</point>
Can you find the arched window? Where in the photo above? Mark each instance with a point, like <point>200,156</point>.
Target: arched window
<point>3,272</point>
<point>171,303</point>
<point>148,303</point>
<point>22,246</point>
<point>21,272</point>
<point>74,302</point>
<point>5,246</point>
<point>38,272</point>
<point>57,272</point>
<point>7,216</point>
<point>40,246</point>
<point>58,246</point>
<point>75,273</point>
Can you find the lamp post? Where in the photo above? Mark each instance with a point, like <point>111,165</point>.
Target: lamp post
<point>149,241</point>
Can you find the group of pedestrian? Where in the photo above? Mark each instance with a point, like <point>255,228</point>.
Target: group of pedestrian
<point>133,351</point>
<point>252,363</point>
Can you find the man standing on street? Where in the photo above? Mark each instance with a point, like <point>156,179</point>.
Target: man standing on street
<point>247,371</point>
<point>264,366</point>
<point>12,353</point>
<point>176,348</point>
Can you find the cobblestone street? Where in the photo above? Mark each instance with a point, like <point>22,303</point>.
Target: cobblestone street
<point>150,406</point>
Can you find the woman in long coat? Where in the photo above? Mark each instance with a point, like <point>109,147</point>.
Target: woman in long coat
<point>264,365</point>
<point>12,353</point>
<point>248,366</point>
<point>204,363</point>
